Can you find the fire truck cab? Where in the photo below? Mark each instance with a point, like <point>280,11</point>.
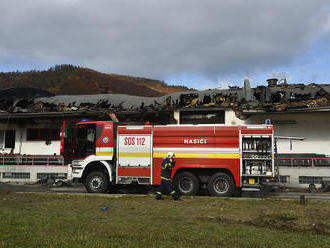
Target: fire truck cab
<point>220,158</point>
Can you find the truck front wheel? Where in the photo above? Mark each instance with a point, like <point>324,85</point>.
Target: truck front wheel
<point>97,182</point>
<point>221,184</point>
<point>186,183</point>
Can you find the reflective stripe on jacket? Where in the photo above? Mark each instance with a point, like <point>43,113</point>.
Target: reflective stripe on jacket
<point>166,170</point>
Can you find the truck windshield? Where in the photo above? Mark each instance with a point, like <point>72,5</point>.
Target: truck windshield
<point>85,140</point>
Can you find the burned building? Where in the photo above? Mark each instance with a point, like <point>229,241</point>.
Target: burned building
<point>30,118</point>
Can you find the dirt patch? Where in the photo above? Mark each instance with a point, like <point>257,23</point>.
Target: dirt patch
<point>289,222</point>
<point>280,222</point>
<point>220,220</point>
<point>275,221</point>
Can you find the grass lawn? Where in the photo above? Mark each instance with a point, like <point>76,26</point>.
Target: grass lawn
<point>52,220</point>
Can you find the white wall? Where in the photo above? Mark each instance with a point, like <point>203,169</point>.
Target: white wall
<point>314,127</point>
<point>176,116</point>
<point>39,147</point>
<point>22,146</point>
<point>231,119</point>
<point>295,173</point>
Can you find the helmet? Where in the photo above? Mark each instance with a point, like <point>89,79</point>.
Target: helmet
<point>170,155</point>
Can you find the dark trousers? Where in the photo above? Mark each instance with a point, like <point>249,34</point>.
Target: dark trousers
<point>165,188</point>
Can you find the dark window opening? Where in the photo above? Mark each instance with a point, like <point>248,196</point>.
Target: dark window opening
<point>310,180</point>
<point>7,138</point>
<point>16,175</point>
<point>43,134</point>
<point>10,139</point>
<point>284,179</point>
<point>51,175</point>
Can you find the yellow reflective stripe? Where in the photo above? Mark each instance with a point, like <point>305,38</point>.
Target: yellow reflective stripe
<point>159,193</point>
<point>198,155</point>
<point>177,155</point>
<point>172,192</point>
<point>104,154</point>
<point>165,165</point>
<point>168,179</point>
<point>273,156</point>
<point>135,154</point>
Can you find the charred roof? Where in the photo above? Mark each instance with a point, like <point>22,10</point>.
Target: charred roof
<point>23,92</point>
<point>272,98</point>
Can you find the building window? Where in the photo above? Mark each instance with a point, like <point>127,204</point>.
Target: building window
<point>51,175</point>
<point>284,179</point>
<point>7,139</point>
<point>16,175</point>
<point>302,163</point>
<point>322,162</point>
<point>42,134</point>
<point>283,162</point>
<point>202,117</point>
<point>317,162</point>
<point>310,180</point>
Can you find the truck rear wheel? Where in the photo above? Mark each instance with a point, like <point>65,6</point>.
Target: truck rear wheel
<point>221,184</point>
<point>186,183</point>
<point>97,182</point>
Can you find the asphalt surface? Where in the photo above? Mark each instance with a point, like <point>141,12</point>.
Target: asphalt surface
<point>80,189</point>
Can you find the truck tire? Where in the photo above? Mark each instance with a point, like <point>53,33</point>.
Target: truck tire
<point>186,183</point>
<point>221,184</point>
<point>97,182</point>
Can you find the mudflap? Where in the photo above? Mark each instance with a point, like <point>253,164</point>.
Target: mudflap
<point>268,189</point>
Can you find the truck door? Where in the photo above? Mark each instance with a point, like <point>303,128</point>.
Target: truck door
<point>134,156</point>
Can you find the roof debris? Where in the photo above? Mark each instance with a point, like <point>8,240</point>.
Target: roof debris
<point>272,98</point>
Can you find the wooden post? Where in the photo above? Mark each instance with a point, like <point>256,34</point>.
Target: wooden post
<point>302,200</point>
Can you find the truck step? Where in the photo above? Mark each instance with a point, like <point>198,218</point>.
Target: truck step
<point>250,189</point>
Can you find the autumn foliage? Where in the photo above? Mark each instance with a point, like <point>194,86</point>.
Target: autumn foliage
<point>73,80</point>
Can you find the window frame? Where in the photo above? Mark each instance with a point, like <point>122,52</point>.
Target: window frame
<point>5,135</point>
<point>50,134</point>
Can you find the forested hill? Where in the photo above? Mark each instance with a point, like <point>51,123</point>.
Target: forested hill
<point>73,80</point>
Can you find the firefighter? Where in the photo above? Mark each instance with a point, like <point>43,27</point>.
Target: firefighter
<point>165,176</point>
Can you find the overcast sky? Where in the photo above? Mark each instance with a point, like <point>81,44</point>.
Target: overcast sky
<point>196,43</point>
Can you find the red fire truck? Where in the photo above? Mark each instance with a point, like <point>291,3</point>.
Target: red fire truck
<point>221,158</point>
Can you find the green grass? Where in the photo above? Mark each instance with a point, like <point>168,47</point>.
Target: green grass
<point>51,220</point>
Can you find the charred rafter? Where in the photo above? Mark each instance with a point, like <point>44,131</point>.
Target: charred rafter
<point>273,98</point>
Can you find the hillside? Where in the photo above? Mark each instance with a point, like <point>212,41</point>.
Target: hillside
<point>73,80</point>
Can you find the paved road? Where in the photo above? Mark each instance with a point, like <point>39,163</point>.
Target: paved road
<point>309,196</point>
<point>80,189</point>
<point>9,187</point>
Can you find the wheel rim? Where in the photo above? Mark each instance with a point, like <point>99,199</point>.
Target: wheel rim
<point>186,185</point>
<point>96,183</point>
<point>220,185</point>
